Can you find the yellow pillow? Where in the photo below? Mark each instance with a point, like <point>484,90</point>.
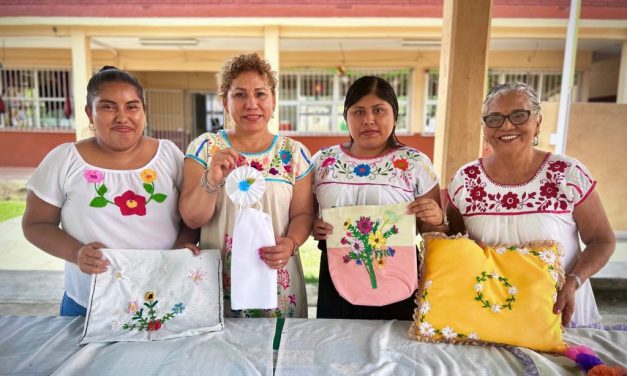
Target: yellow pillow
<point>500,294</point>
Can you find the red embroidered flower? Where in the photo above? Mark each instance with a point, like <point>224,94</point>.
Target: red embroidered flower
<point>549,190</point>
<point>510,200</point>
<point>558,166</point>
<point>346,259</point>
<point>154,325</point>
<point>288,168</point>
<point>401,164</point>
<point>478,193</point>
<point>256,165</point>
<point>328,162</point>
<point>472,171</point>
<point>274,171</point>
<point>131,204</point>
<point>283,278</point>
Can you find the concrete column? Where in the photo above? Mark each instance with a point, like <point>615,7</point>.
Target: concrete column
<point>271,53</point>
<point>621,95</point>
<point>81,73</point>
<point>463,66</point>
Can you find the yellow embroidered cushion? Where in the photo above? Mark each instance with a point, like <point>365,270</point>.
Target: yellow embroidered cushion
<point>500,294</point>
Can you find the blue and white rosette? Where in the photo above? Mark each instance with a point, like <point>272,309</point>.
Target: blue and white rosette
<point>245,186</point>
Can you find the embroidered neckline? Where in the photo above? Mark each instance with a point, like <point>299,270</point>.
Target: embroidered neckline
<point>348,153</point>
<point>538,171</point>
<point>140,169</point>
<point>225,136</point>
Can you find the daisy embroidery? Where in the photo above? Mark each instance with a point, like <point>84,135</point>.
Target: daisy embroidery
<point>197,276</point>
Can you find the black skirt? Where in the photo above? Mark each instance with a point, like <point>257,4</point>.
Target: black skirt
<point>332,306</point>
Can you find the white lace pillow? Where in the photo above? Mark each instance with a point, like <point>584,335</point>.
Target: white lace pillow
<point>149,295</point>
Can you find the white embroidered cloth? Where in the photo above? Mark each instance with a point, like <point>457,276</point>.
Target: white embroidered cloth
<point>155,294</point>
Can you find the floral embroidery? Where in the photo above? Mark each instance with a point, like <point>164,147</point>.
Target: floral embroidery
<point>283,278</point>
<point>286,156</point>
<point>150,322</point>
<point>129,202</point>
<point>401,164</point>
<point>286,306</point>
<point>426,329</point>
<point>367,239</point>
<point>197,276</point>
<point>545,195</point>
<point>362,170</point>
<point>226,273</point>
<point>496,308</point>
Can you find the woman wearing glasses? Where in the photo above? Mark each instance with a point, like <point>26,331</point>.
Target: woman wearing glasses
<point>519,194</point>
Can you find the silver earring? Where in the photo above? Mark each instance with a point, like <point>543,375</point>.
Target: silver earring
<point>535,140</point>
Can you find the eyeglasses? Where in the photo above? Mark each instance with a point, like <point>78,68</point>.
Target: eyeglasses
<point>518,117</point>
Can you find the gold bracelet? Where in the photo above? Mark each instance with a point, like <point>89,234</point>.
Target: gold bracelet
<point>204,182</point>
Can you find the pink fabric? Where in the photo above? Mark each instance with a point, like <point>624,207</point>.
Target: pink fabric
<point>396,281</point>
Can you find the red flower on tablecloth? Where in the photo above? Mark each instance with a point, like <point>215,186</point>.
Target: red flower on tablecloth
<point>472,171</point>
<point>558,166</point>
<point>510,200</point>
<point>401,164</point>
<point>131,203</point>
<point>283,278</point>
<point>154,325</point>
<point>477,193</point>
<point>549,190</point>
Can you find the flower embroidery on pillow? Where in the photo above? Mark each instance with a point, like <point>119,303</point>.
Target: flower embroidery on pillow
<point>129,202</point>
<point>149,321</point>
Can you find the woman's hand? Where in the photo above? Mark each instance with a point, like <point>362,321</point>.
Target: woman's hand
<point>279,255</point>
<point>89,259</point>
<point>191,246</point>
<point>565,303</point>
<point>321,229</point>
<point>222,163</point>
<point>427,210</point>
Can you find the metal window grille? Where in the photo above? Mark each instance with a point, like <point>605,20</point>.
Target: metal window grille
<point>312,101</point>
<point>547,85</point>
<point>36,99</point>
<point>165,118</point>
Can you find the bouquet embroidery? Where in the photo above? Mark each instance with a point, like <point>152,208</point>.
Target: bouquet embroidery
<point>130,203</point>
<point>367,239</point>
<point>150,322</point>
<point>372,255</point>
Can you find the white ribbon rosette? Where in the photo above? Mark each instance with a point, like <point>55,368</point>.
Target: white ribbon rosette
<point>245,186</point>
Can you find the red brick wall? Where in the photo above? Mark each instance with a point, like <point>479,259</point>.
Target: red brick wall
<point>27,149</point>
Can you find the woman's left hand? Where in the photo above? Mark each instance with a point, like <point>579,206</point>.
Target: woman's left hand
<point>427,210</point>
<point>565,303</point>
<point>278,256</point>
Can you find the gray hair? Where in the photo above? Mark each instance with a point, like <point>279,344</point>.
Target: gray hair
<point>512,87</point>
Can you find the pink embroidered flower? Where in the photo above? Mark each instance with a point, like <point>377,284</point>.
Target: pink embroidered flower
<point>256,165</point>
<point>273,171</point>
<point>401,164</point>
<point>472,171</point>
<point>228,243</point>
<point>131,203</point>
<point>283,278</point>
<point>558,166</point>
<point>478,193</point>
<point>364,225</point>
<point>394,230</point>
<point>292,299</point>
<point>288,168</point>
<point>343,241</point>
<point>510,200</point>
<point>93,176</point>
<point>549,190</point>
<point>197,276</point>
<point>154,325</point>
<point>132,306</point>
<point>226,281</point>
<point>328,162</point>
<point>346,259</point>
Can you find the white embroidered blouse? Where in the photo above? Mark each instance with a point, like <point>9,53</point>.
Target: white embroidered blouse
<point>540,209</point>
<point>132,209</point>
